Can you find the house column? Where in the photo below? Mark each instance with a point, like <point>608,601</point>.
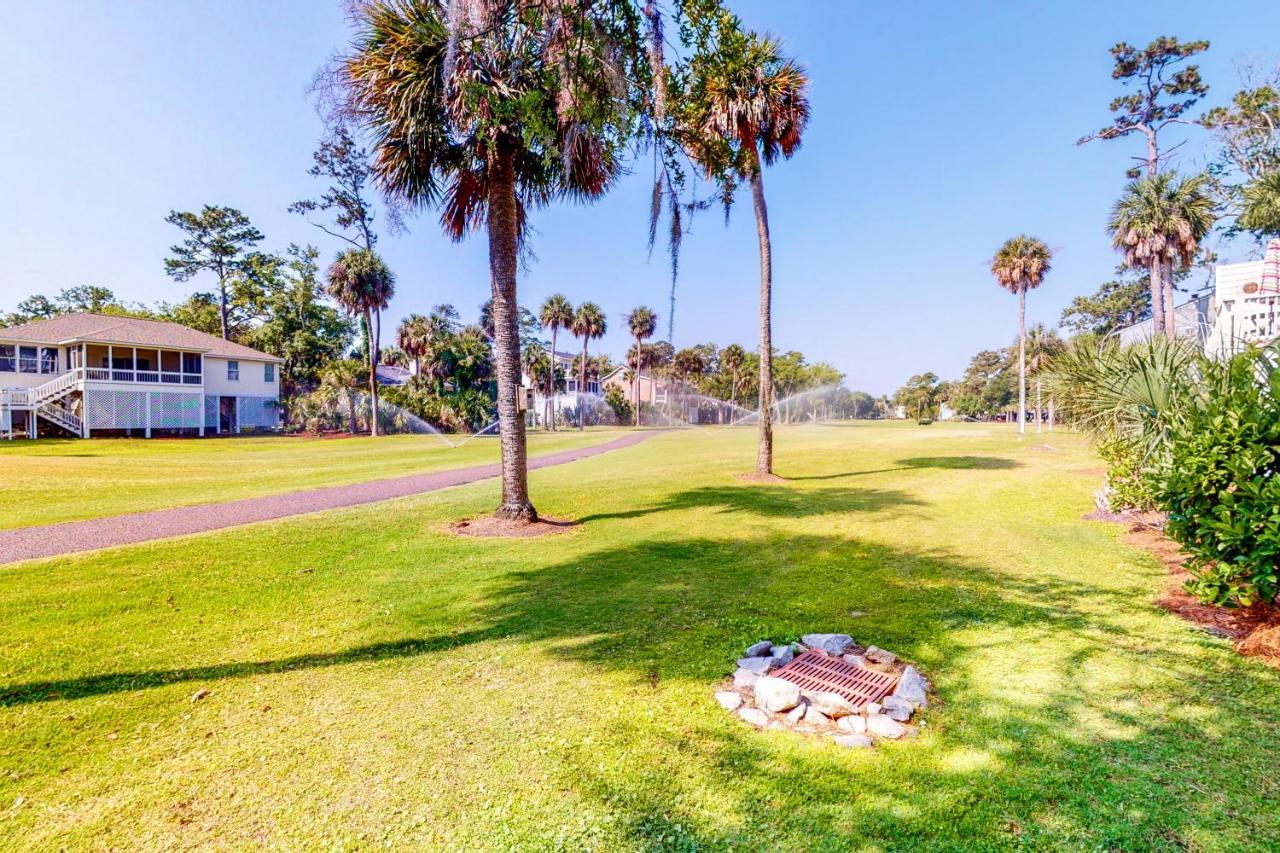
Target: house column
<point>111,363</point>
<point>147,433</point>
<point>237,410</point>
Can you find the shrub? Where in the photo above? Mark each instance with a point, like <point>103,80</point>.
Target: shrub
<point>618,402</point>
<point>1221,484</point>
<point>1129,485</point>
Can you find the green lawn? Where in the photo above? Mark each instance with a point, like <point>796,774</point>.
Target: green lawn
<point>64,480</point>
<point>373,681</point>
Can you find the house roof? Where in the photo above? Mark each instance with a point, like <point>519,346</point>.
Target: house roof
<point>393,374</point>
<point>84,327</point>
<point>622,367</point>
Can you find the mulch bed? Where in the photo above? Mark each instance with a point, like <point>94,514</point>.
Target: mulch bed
<point>1255,631</point>
<point>490,527</point>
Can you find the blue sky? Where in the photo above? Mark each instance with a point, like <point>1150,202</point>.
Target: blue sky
<point>939,129</point>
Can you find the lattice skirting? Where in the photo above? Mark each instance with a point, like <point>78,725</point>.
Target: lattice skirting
<point>258,412</point>
<point>211,412</point>
<point>133,410</point>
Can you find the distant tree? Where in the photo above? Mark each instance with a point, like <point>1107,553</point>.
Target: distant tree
<point>1163,94</point>
<point>413,337</point>
<point>1159,223</point>
<point>1261,213</point>
<point>589,324</point>
<point>1248,132</point>
<point>1116,304</point>
<point>84,297</point>
<point>1042,345</point>
<point>340,380</point>
<point>746,104</point>
<point>555,314</point>
<point>1021,264</point>
<point>919,395</point>
<point>361,283</point>
<point>861,404</point>
<point>642,323</point>
<point>218,241</point>
<point>732,359</point>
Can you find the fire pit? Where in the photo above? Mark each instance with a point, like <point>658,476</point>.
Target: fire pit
<point>826,685</point>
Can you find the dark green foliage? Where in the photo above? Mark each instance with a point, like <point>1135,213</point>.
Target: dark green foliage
<point>1221,487</point>
<point>219,240</point>
<point>617,401</point>
<point>1116,304</point>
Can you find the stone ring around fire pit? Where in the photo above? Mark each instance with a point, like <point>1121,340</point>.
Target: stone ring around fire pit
<point>826,684</point>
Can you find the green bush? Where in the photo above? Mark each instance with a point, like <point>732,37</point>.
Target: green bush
<point>1129,484</point>
<point>618,402</point>
<point>1220,485</point>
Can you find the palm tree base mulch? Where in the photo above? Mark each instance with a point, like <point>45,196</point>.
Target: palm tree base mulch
<point>1255,631</point>
<point>758,477</point>
<point>492,527</point>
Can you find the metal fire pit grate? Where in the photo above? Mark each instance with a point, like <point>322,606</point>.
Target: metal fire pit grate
<point>820,673</point>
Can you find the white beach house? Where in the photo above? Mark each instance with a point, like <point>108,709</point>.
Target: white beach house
<point>81,374</point>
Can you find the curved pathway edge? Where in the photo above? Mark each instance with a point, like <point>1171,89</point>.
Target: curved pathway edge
<point>73,537</point>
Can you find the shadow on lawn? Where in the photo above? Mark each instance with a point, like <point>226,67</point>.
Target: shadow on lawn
<point>957,463</point>
<point>1051,763</point>
<point>771,501</point>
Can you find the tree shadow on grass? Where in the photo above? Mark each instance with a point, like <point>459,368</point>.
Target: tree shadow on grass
<point>1048,762</point>
<point>955,463</point>
<point>771,501</point>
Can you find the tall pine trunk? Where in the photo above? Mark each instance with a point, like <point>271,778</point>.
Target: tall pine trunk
<point>1022,360</point>
<point>764,452</point>
<point>1155,273</point>
<point>504,247</point>
<point>222,305</point>
<point>1170,317</point>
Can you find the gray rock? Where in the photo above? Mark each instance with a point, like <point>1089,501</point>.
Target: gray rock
<point>832,704</point>
<point>776,694</point>
<point>853,741</point>
<point>897,708</point>
<point>873,708</point>
<point>832,644</point>
<point>856,660</point>
<point>855,725</point>
<point>913,687</point>
<point>760,649</point>
<point>882,726</point>
<point>757,665</point>
<point>880,655</point>
<point>744,678</point>
<point>729,700</point>
<point>814,717</point>
<point>796,714</point>
<point>755,717</point>
<point>782,655</point>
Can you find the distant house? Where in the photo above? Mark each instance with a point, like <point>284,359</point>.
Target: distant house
<point>653,391</point>
<point>566,398</point>
<point>83,373</point>
<point>1238,311</point>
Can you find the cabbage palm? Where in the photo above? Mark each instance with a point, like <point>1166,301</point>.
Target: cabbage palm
<point>748,103</point>
<point>731,359</point>
<point>1262,206</point>
<point>362,284</point>
<point>413,337</point>
<point>642,323</point>
<point>489,109</point>
<point>1159,224</point>
<point>556,314</point>
<point>1042,345</point>
<point>589,324</point>
<point>1021,264</point>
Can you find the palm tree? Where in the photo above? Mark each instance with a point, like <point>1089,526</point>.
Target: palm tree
<point>1159,223</point>
<point>340,378</point>
<point>556,314</point>
<point>589,324</point>
<point>1262,205</point>
<point>1042,345</point>
<point>642,323</point>
<point>490,109</point>
<point>731,358</point>
<point>1021,265</point>
<point>747,104</point>
<point>413,337</point>
<point>361,283</point>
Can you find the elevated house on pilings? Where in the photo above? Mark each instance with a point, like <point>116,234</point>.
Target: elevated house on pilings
<point>85,374</point>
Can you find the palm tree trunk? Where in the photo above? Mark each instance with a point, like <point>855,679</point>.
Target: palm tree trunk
<point>1170,318</point>
<point>636,382</point>
<point>1052,412</point>
<point>582,386</point>
<point>551,383</point>
<point>1022,361</point>
<point>1038,408</point>
<point>504,247</point>
<point>1155,272</point>
<point>764,452</point>
<point>373,378</point>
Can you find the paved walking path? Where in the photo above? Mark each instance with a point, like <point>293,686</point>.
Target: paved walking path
<point>53,540</point>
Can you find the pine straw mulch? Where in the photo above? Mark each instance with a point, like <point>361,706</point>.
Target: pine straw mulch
<point>1255,631</point>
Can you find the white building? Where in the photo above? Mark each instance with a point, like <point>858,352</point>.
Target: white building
<point>565,399</point>
<point>85,373</point>
<point>1238,311</point>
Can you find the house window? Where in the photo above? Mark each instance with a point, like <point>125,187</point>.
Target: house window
<point>48,359</point>
<point>8,359</point>
<point>190,363</point>
<point>27,360</point>
<point>233,371</point>
<point>268,373</point>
